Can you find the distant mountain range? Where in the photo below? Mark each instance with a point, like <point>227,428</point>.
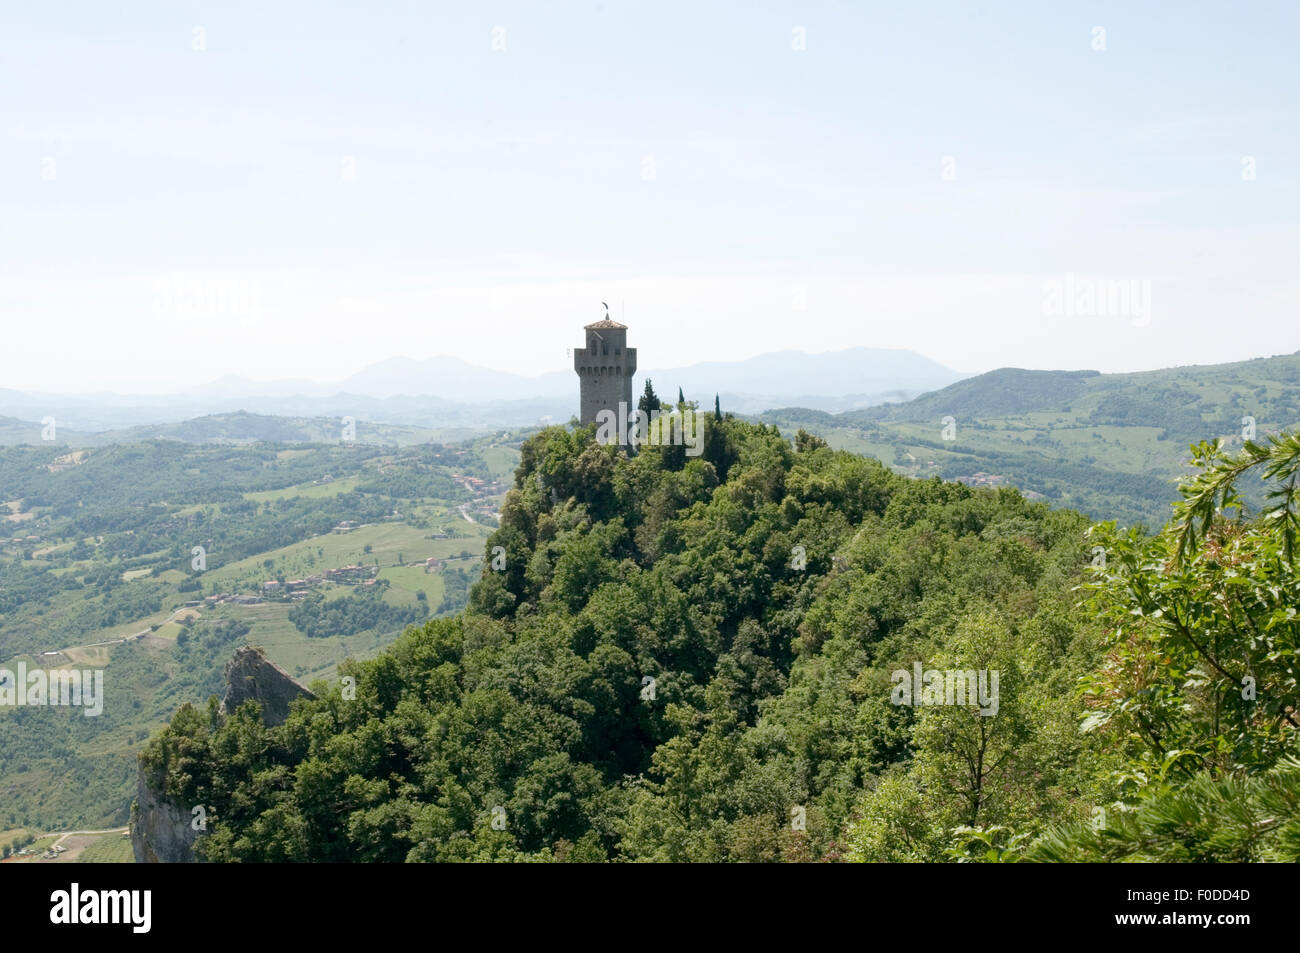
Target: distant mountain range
<point>238,427</point>
<point>834,374</point>
<point>446,392</point>
<point>1110,445</point>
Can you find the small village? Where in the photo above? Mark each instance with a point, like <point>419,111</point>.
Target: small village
<point>983,479</point>
<point>485,492</point>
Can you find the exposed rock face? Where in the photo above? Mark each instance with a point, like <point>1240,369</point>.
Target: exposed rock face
<point>251,675</point>
<point>162,832</point>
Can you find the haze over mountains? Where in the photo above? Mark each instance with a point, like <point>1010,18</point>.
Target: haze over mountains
<point>450,392</point>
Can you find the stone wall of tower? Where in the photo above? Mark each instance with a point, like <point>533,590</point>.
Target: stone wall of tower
<point>605,368</point>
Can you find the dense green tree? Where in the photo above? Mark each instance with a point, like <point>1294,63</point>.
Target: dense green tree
<point>649,399</point>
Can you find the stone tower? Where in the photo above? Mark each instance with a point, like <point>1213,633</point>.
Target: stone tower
<point>605,367</point>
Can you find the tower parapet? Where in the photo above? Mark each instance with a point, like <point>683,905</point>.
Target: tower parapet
<point>605,368</point>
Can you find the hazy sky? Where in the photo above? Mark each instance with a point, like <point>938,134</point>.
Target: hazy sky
<point>299,189</point>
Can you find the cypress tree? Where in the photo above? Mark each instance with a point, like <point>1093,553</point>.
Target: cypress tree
<point>649,399</point>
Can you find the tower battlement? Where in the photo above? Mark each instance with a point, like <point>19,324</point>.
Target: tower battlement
<point>605,368</point>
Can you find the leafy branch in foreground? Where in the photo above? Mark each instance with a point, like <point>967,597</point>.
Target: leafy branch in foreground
<point>1200,673</point>
<point>1224,820</point>
<point>1214,489</point>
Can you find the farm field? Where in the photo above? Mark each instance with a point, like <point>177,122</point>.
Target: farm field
<point>110,591</point>
<point>98,847</point>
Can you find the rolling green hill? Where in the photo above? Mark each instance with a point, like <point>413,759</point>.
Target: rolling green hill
<point>98,570</point>
<point>1110,445</point>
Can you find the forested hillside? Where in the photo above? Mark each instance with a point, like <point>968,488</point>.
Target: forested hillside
<point>693,660</point>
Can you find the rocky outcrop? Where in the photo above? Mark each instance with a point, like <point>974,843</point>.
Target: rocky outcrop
<point>250,675</point>
<point>163,832</point>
